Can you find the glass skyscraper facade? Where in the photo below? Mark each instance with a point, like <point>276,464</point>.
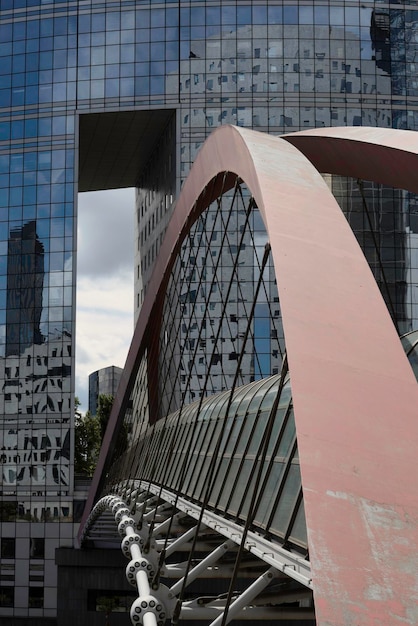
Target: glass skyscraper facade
<point>96,95</point>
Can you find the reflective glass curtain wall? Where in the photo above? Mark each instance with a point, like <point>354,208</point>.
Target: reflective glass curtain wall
<point>276,66</point>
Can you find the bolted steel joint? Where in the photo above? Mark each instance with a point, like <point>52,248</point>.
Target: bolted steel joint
<point>138,565</point>
<point>123,512</point>
<point>128,542</point>
<point>115,506</point>
<point>147,604</point>
<point>123,525</point>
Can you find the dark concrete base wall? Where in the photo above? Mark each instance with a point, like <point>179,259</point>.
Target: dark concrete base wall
<point>82,573</point>
<point>28,621</point>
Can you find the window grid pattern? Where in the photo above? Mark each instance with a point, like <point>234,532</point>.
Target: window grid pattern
<point>384,227</point>
<point>275,66</point>
<point>214,280</point>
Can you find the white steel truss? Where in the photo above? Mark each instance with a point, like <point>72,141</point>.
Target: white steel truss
<point>158,524</point>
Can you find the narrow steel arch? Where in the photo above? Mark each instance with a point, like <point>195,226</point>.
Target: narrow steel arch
<point>383,155</point>
<point>354,392</point>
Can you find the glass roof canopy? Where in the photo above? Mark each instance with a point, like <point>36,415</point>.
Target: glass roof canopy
<point>236,453</point>
<point>218,454</point>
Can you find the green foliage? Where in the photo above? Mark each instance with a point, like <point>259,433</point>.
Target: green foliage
<point>89,433</point>
<point>87,442</point>
<point>104,409</point>
<point>107,604</point>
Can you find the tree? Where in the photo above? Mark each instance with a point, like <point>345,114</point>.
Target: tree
<point>104,408</point>
<point>87,442</point>
<point>89,433</point>
<point>107,604</point>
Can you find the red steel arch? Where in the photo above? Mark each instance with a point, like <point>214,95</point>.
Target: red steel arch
<point>383,155</point>
<point>354,392</point>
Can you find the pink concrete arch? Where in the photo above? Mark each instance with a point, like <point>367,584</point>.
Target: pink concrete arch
<point>354,392</point>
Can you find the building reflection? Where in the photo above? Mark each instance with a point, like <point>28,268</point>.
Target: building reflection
<point>25,281</point>
<point>35,399</point>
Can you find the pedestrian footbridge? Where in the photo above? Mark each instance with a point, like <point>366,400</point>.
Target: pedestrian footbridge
<point>220,503</point>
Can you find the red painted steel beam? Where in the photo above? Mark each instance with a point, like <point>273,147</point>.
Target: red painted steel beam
<point>383,155</point>
<point>354,392</point>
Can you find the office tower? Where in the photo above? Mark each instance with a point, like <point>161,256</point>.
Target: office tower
<point>103,381</point>
<point>95,97</point>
